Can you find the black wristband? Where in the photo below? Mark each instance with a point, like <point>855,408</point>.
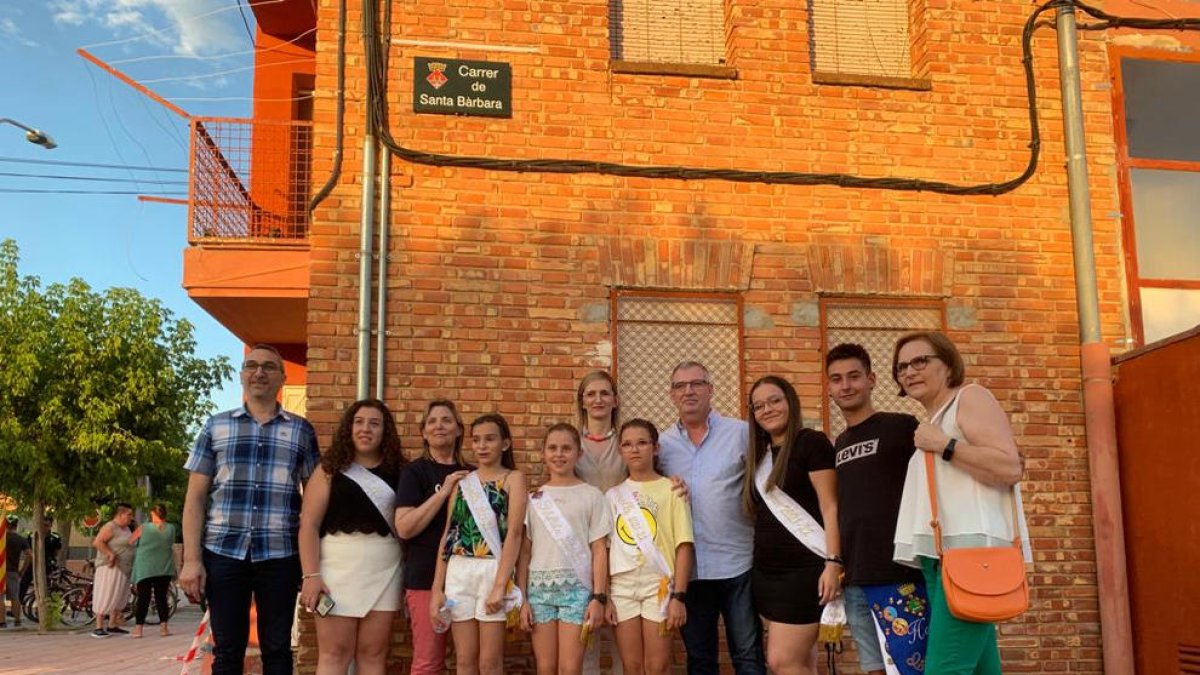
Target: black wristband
<point>680,596</point>
<point>835,559</point>
<point>948,452</point>
<point>601,598</point>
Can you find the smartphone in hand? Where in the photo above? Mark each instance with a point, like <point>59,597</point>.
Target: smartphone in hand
<point>324,604</point>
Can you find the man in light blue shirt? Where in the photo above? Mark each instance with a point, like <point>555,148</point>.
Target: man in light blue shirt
<point>708,451</point>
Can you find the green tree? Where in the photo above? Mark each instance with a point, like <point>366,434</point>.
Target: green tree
<point>96,390</point>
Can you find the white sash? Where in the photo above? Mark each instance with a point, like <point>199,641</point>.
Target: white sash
<point>635,521</point>
<point>377,490</point>
<point>471,489</point>
<point>803,527</point>
<point>579,555</point>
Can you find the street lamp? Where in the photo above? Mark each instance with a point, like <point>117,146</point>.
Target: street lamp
<point>32,135</point>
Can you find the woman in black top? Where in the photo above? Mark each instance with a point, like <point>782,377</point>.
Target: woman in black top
<point>790,583</point>
<point>349,552</point>
<point>421,521</point>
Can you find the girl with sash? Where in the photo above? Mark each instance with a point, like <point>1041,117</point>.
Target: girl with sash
<point>348,549</point>
<point>473,582</point>
<point>791,488</point>
<point>650,556</point>
<point>425,487</point>
<point>563,569</point>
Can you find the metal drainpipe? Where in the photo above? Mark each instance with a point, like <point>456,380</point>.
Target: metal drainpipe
<point>1100,416</point>
<point>366,234</point>
<point>385,223</point>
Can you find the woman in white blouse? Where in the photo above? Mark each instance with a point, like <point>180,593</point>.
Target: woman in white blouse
<point>977,470</point>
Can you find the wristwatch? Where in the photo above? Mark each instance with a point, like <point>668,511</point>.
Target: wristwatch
<point>680,596</point>
<point>948,452</point>
<point>601,598</point>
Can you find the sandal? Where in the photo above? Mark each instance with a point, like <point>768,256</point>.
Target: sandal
<point>163,630</point>
<point>137,632</point>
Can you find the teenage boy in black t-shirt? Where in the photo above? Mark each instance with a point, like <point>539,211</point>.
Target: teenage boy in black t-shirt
<point>872,457</point>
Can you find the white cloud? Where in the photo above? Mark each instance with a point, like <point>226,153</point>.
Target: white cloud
<point>188,27</point>
<point>11,31</point>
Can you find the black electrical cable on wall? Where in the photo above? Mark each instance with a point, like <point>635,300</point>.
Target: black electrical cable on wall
<point>339,113</point>
<point>377,71</point>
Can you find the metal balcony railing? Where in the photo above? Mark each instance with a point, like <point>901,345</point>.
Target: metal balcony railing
<point>249,181</point>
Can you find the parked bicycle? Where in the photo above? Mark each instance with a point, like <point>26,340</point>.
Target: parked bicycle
<point>76,600</point>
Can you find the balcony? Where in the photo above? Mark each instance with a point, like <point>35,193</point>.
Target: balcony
<point>249,181</point>
<point>248,222</point>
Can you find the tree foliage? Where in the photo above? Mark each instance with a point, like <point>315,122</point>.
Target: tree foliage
<point>96,390</point>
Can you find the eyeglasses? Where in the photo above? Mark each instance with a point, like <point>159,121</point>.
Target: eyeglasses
<point>268,367</point>
<point>775,402</point>
<point>917,363</point>
<point>684,384</point>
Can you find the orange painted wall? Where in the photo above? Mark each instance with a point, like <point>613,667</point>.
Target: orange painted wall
<point>1156,393</point>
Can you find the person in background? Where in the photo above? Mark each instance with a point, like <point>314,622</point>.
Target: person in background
<point>16,550</point>
<point>349,552</point>
<point>153,568</point>
<point>978,468</point>
<point>114,563</point>
<point>425,486</point>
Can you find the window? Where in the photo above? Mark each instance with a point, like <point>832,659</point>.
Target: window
<point>869,42</point>
<point>1159,155</point>
<point>689,32</point>
<point>876,325</point>
<point>655,331</point>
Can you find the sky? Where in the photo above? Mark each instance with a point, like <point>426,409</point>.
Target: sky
<point>199,54</point>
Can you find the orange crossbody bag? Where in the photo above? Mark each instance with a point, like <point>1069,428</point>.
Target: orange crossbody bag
<point>985,584</point>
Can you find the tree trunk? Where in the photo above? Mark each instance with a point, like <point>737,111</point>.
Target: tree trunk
<point>39,566</point>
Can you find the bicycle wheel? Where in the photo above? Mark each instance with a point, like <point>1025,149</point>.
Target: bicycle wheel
<point>29,606</point>
<point>172,599</point>
<point>77,608</point>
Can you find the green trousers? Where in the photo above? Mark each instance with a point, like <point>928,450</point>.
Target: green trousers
<point>956,647</point>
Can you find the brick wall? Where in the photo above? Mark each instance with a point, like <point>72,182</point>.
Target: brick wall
<point>499,283</point>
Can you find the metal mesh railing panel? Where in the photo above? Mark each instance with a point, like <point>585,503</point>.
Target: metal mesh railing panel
<point>647,350</point>
<point>877,328</point>
<point>250,179</point>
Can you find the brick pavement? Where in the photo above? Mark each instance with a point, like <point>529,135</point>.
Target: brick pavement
<point>25,652</point>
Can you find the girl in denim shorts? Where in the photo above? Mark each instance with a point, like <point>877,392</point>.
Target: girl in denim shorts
<point>563,569</point>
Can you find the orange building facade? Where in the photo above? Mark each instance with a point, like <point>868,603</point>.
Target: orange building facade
<point>504,287</point>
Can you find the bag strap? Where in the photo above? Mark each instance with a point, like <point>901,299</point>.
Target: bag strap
<point>931,482</point>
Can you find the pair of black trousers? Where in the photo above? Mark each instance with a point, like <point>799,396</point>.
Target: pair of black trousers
<point>159,585</point>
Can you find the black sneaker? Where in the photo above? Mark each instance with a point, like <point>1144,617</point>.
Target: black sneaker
<point>117,630</point>
<point>100,633</point>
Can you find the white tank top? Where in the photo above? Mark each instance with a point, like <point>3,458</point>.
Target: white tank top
<point>972,514</point>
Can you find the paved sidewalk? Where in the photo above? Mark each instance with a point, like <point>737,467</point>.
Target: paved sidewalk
<point>24,652</point>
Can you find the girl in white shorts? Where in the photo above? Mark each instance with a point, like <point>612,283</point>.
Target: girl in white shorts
<point>473,581</point>
<point>650,556</point>
<point>563,569</point>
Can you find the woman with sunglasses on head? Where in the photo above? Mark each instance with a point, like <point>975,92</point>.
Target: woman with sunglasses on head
<point>791,489</point>
<point>977,467</point>
<point>425,486</point>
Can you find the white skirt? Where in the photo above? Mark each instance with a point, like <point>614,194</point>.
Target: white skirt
<point>363,573</point>
<point>110,590</point>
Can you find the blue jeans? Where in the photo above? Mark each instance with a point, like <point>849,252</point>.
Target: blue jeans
<point>710,599</point>
<point>231,583</point>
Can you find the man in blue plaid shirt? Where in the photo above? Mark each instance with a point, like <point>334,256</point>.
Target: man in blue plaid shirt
<point>242,514</point>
